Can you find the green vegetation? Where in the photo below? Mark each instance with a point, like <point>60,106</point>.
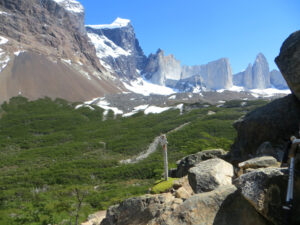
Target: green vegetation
<point>52,157</point>
<point>162,185</point>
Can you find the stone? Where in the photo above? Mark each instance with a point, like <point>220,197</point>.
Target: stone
<point>222,206</point>
<point>210,174</point>
<point>190,161</point>
<point>259,162</point>
<point>138,210</point>
<point>183,182</point>
<point>264,149</point>
<point>288,61</point>
<point>265,189</point>
<point>182,193</point>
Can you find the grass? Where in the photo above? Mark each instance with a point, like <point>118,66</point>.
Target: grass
<point>162,186</point>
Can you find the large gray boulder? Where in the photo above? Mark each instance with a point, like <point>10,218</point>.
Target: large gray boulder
<point>265,189</point>
<point>138,210</point>
<point>288,62</point>
<point>190,161</point>
<point>210,174</point>
<point>259,162</point>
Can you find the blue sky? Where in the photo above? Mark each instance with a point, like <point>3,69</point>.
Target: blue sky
<point>199,31</point>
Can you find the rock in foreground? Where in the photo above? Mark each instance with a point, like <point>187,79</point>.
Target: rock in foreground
<point>190,161</point>
<point>288,62</point>
<point>210,174</point>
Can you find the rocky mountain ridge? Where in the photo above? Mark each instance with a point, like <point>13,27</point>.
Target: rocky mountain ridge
<point>166,70</point>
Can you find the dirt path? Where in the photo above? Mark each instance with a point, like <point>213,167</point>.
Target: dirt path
<point>151,148</point>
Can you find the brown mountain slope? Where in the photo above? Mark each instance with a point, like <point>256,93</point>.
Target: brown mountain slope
<point>34,76</point>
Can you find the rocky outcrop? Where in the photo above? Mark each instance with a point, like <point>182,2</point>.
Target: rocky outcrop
<point>255,198</point>
<point>214,75</point>
<point>160,68</point>
<point>190,161</point>
<point>118,48</point>
<point>258,76</point>
<point>244,79</point>
<point>139,210</point>
<point>222,206</point>
<point>260,73</point>
<point>274,122</point>
<point>210,174</point>
<point>288,62</point>
<point>265,190</point>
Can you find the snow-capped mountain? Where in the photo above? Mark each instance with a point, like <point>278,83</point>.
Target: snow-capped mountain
<point>118,50</point>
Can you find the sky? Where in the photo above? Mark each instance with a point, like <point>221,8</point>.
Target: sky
<point>199,31</point>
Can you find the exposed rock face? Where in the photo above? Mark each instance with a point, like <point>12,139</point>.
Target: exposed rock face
<point>190,161</point>
<point>244,78</point>
<point>274,122</point>
<point>54,29</point>
<point>210,174</point>
<point>288,62</point>
<point>214,75</point>
<point>277,80</point>
<point>260,71</point>
<point>265,190</point>
<point>160,68</point>
<point>258,76</point>
<point>118,48</point>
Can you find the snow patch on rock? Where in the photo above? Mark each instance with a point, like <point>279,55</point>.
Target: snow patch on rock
<point>106,48</point>
<point>118,23</point>
<point>145,88</point>
<point>71,5</point>
<point>3,40</point>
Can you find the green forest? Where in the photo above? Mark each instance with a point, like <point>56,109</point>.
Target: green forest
<point>58,163</point>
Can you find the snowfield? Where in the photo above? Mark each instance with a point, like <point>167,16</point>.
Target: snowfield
<point>146,88</point>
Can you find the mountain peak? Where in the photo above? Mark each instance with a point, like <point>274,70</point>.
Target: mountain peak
<point>71,5</point>
<point>118,23</point>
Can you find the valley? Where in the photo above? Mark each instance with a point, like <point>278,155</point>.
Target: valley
<point>49,149</point>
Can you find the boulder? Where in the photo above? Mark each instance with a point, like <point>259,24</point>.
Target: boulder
<point>265,189</point>
<point>265,148</point>
<point>274,122</point>
<point>259,162</point>
<point>288,62</point>
<point>222,206</point>
<point>210,174</point>
<point>190,161</point>
<point>138,210</point>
